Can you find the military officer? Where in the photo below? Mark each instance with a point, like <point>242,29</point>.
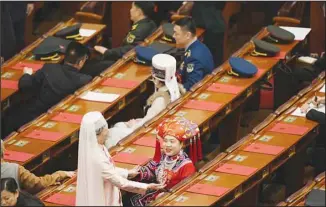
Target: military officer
<point>208,15</point>
<point>143,26</point>
<point>198,60</point>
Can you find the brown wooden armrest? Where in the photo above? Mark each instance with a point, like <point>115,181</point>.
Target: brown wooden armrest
<point>305,91</point>
<point>156,118</point>
<point>201,83</point>
<point>239,143</point>
<point>157,201</point>
<point>286,21</point>
<point>12,135</point>
<point>282,203</point>
<point>178,101</point>
<point>321,75</point>
<point>87,17</point>
<point>320,177</point>
<point>218,70</point>
<point>155,35</point>
<point>213,162</point>
<point>176,17</point>
<point>304,190</point>
<point>286,105</point>
<point>264,123</point>
<point>129,55</point>
<point>26,126</point>
<point>59,106</point>
<point>138,133</point>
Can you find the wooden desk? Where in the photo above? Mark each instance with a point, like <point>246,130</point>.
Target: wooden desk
<point>42,150</point>
<point>200,117</point>
<point>265,164</point>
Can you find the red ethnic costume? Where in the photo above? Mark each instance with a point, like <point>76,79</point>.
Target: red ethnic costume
<point>170,169</point>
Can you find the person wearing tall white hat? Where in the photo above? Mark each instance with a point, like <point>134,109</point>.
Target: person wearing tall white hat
<point>167,90</point>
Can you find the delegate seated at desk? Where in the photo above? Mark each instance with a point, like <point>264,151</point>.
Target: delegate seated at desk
<point>313,114</point>
<point>316,152</point>
<point>198,60</point>
<point>167,90</point>
<point>143,26</point>
<point>310,72</point>
<point>47,86</point>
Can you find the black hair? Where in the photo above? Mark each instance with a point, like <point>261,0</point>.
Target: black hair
<point>9,184</point>
<point>188,24</point>
<point>146,6</point>
<point>75,52</point>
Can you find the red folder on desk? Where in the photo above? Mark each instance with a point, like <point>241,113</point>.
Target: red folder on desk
<point>68,117</point>
<point>10,84</point>
<point>45,135</point>
<point>224,88</point>
<point>17,156</point>
<point>130,158</point>
<point>236,169</point>
<point>22,64</point>
<point>62,199</point>
<point>147,141</point>
<point>207,189</point>
<point>264,149</point>
<point>120,83</point>
<point>202,105</point>
<point>289,129</point>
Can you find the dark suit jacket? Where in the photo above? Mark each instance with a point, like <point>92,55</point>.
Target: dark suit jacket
<point>317,116</point>
<point>138,33</point>
<point>16,9</point>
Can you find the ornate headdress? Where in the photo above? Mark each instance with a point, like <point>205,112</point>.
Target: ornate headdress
<point>185,131</point>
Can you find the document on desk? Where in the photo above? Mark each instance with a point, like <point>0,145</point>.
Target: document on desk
<point>300,33</point>
<point>86,32</point>
<point>298,112</point>
<point>100,97</point>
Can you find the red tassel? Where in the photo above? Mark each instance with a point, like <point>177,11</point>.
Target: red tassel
<point>194,149</point>
<point>199,149</point>
<point>155,8</point>
<point>157,155</point>
<point>190,151</point>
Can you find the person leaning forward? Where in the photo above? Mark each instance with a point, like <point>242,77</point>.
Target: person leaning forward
<point>25,179</point>
<point>47,87</point>
<point>142,27</point>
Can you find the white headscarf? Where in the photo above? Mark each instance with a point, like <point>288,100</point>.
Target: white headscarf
<point>90,187</point>
<point>167,63</point>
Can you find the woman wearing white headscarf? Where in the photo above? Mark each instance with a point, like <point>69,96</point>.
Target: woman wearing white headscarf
<point>98,180</point>
<point>167,90</point>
